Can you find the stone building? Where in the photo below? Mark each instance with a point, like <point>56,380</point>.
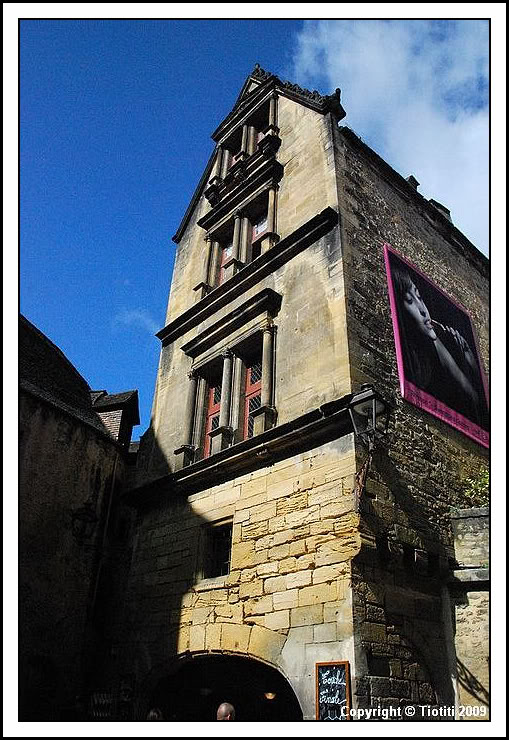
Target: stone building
<point>269,537</point>
<point>72,469</point>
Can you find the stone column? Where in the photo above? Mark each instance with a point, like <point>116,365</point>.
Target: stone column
<point>232,266</point>
<point>218,165</point>
<point>244,143</point>
<point>252,140</point>
<point>264,417</point>
<point>224,164</point>
<point>221,437</point>
<point>212,192</point>
<point>237,388</point>
<point>184,455</point>
<point>215,258</point>
<point>267,355</point>
<point>204,286</point>
<point>271,237</point>
<point>273,111</point>
<point>244,240</point>
<point>271,141</point>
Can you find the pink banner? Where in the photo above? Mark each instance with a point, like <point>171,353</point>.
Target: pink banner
<point>436,349</point>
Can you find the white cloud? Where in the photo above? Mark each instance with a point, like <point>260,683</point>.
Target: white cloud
<point>137,318</point>
<point>416,92</point>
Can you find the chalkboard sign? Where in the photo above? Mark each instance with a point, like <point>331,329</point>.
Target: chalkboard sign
<point>333,691</point>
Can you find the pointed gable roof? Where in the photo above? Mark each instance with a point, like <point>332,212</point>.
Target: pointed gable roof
<point>257,87</point>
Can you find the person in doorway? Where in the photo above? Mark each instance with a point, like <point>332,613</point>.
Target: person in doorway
<point>156,715</point>
<point>226,711</point>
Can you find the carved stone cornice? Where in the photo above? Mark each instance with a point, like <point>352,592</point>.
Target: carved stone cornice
<point>326,423</point>
<point>269,85</point>
<point>267,300</point>
<point>250,275</point>
<point>264,172</point>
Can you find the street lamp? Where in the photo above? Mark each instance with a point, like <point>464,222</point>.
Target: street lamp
<point>369,414</point>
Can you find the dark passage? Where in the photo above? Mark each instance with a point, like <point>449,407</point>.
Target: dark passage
<point>259,693</point>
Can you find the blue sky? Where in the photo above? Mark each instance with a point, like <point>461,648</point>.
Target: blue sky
<point>115,124</point>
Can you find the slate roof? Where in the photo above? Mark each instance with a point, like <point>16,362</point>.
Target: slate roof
<point>45,372</point>
<point>128,399</point>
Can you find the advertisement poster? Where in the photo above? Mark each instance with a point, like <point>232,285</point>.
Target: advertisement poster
<point>437,352</point>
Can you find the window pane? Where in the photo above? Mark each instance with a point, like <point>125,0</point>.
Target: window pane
<point>217,395</point>
<point>260,226</point>
<point>255,373</point>
<point>254,403</point>
<point>218,542</point>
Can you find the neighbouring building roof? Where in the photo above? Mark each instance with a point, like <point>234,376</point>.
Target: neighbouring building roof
<point>128,400</point>
<point>45,372</point>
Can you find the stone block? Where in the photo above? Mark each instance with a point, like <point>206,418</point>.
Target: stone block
<point>301,635</point>
<point>373,632</point>
<point>197,638</point>
<point>285,599</point>
<point>271,585</point>
<point>213,636</point>
<point>319,594</point>
<point>243,555</point>
<point>253,488</point>
<point>202,615</point>
<point>266,644</point>
<point>262,605</point>
<point>297,548</point>
<point>253,530</point>
<point>265,569</point>
<point>183,639</point>
<point>298,579</point>
<point>298,518</point>
<point>278,620</point>
<point>329,573</point>
<point>279,553</point>
<point>251,589</point>
<point>337,508</point>
<point>281,489</point>
<point>288,504</point>
<point>306,615</point>
<point>235,637</point>
<point>262,512</point>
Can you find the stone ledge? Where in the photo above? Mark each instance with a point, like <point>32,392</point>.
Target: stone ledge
<point>210,584</point>
<point>470,575</point>
<point>470,513</point>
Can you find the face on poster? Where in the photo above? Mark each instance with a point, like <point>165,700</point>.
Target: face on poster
<point>437,352</point>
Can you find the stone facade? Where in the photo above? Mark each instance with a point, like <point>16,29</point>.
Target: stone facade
<point>71,476</point>
<point>321,567</point>
<point>469,588</point>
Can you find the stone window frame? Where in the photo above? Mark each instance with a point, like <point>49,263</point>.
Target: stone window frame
<point>222,350</point>
<point>238,230</point>
<point>203,575</point>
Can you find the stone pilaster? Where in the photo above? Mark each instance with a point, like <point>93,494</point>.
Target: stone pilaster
<point>221,437</point>
<point>184,455</point>
<point>233,265</point>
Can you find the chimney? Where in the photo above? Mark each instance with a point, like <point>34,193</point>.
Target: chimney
<point>443,210</point>
<point>413,182</point>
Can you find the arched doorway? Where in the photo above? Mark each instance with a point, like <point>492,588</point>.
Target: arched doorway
<point>258,692</point>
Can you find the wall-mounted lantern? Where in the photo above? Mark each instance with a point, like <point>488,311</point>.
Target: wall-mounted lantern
<point>84,521</point>
<point>369,414</point>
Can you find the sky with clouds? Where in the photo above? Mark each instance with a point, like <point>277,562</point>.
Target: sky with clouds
<point>418,93</point>
<point>115,124</point>
<point>115,120</point>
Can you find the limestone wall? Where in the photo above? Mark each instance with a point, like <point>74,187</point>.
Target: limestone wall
<point>470,598</point>
<point>287,599</point>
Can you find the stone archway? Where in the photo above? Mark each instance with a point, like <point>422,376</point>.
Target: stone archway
<point>259,692</point>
